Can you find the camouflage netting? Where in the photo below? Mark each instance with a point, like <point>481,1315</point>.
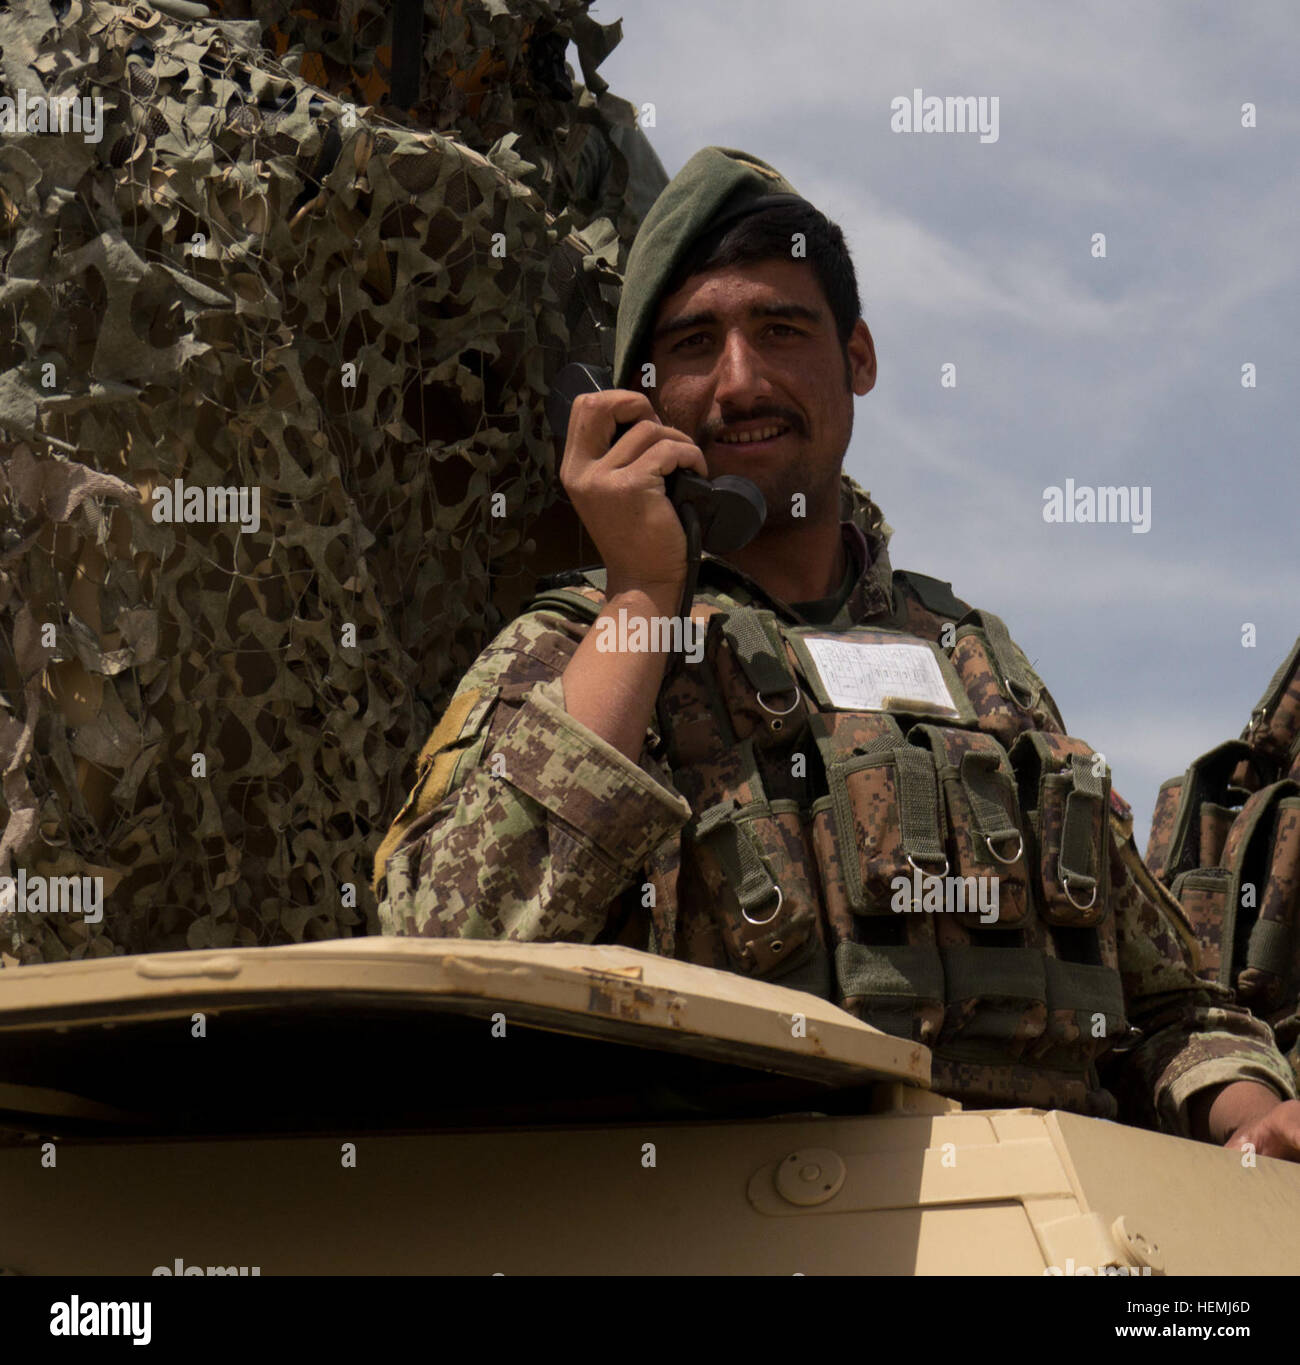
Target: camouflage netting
<point>241,286</point>
<point>491,74</point>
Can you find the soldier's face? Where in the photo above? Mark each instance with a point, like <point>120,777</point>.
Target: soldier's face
<point>748,364</point>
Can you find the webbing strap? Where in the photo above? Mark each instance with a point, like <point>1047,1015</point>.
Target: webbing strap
<point>1077,865</point>
<point>1269,947</point>
<point>1006,657</point>
<point>979,779</point>
<point>845,842</point>
<point>985,973</point>
<point>909,974</point>
<point>1087,989</point>
<point>759,652</point>
<point>919,811</point>
<point>746,872</point>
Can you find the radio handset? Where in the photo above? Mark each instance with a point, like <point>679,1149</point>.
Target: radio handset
<point>730,509</point>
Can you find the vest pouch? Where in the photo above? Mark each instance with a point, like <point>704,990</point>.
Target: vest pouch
<point>1216,821</point>
<point>1209,779</point>
<point>1008,696</point>
<point>897,988</point>
<point>993,996</point>
<point>1203,894</point>
<point>1067,808</point>
<point>1162,825</point>
<point>1085,1013</point>
<point>755,866</point>
<point>985,843</point>
<point>1263,854</point>
<point>883,817</point>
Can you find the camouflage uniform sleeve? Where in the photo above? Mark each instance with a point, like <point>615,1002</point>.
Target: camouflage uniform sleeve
<point>523,823</point>
<point>1192,1035</point>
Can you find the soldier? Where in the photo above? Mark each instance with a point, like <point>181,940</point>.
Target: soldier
<point>846,781</point>
<point>1225,839</point>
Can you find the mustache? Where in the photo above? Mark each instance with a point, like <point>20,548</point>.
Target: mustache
<point>786,415</point>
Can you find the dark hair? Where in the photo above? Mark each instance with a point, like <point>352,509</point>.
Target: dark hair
<point>768,235</point>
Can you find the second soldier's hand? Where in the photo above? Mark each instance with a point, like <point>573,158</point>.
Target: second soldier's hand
<point>1275,1131</point>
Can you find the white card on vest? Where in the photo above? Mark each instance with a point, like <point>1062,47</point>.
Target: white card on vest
<point>867,676</point>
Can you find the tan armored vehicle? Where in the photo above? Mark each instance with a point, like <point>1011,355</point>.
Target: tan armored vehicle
<point>400,1106</point>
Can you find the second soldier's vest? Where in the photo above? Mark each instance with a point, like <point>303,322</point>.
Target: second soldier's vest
<point>1225,838</point>
<point>858,795</point>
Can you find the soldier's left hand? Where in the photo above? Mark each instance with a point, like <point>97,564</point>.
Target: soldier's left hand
<point>1274,1133</point>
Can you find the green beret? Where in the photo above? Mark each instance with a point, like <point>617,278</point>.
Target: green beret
<point>717,185</point>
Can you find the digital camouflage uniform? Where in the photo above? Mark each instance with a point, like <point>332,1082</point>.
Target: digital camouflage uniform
<point>524,824</point>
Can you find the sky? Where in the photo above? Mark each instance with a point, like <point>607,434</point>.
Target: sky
<point>1117,371</point>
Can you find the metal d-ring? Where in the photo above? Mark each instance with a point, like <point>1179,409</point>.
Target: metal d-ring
<point>746,915</point>
<point>911,862</point>
<point>798,697</point>
<point>1016,856</point>
<point>1065,886</point>
<point>1011,692</point>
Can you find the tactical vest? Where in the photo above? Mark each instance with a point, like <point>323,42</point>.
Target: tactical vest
<point>1225,838</point>
<point>827,821</point>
